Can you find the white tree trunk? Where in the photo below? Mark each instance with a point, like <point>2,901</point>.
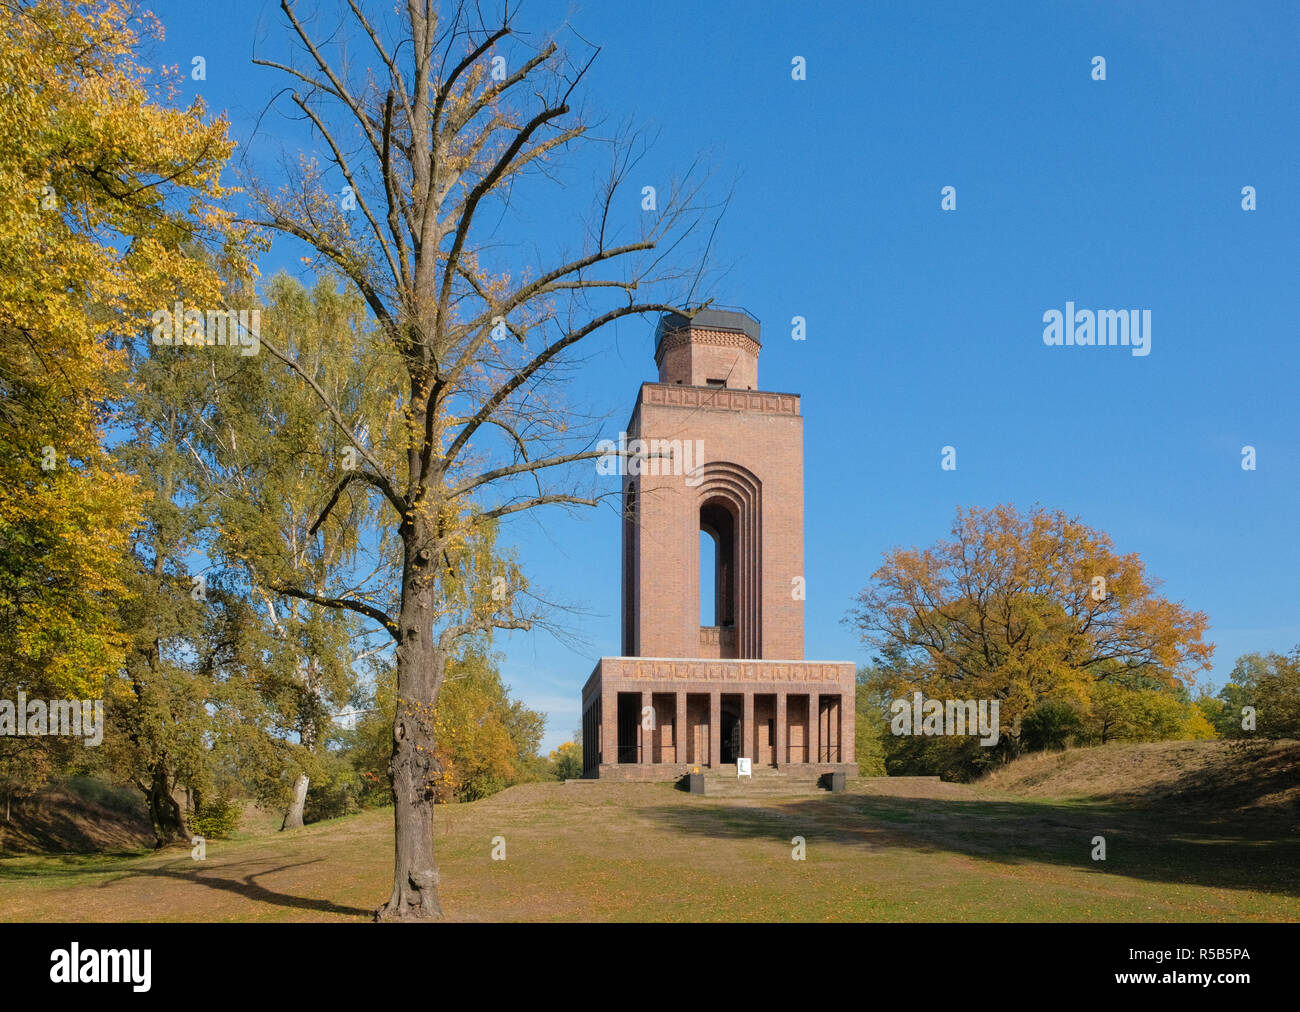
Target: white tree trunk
<point>293,818</point>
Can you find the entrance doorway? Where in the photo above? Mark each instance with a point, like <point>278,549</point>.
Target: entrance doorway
<point>730,726</point>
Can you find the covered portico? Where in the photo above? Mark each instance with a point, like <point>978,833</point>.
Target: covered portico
<point>650,718</point>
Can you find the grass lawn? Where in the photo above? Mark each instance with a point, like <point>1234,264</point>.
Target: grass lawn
<point>892,851</point>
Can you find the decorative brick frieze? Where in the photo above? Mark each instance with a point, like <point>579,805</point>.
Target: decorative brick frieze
<point>694,669</point>
<point>719,399</point>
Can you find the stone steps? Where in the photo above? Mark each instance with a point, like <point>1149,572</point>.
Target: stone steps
<point>766,781</point>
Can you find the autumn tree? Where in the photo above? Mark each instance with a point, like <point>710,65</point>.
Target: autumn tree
<point>567,761</point>
<point>1024,608</point>
<point>1121,713</point>
<point>486,740</point>
<point>871,725</point>
<point>102,183</point>
<point>155,702</point>
<point>420,155</point>
<point>194,640</point>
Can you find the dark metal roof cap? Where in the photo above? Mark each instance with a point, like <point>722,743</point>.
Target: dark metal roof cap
<point>731,318</point>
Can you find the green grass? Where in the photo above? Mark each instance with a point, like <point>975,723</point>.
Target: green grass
<point>924,851</point>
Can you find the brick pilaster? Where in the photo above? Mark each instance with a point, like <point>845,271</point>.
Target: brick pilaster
<point>814,728</point>
<point>679,729</point>
<point>747,738</point>
<point>781,758</point>
<point>715,728</point>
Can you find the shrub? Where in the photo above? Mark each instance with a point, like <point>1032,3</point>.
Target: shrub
<point>216,820</point>
<point>1050,726</point>
<point>567,761</point>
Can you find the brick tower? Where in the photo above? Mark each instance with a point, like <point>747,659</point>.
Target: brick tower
<point>707,451</point>
<point>746,493</point>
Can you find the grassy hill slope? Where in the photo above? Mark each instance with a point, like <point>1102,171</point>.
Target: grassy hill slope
<point>1220,781</point>
<point>75,816</point>
<point>886,850</point>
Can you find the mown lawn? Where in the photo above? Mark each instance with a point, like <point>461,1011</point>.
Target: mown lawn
<point>893,851</point>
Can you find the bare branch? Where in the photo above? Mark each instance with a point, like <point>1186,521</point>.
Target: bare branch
<point>352,476</point>
<point>526,467</point>
<point>541,500</point>
<point>360,607</point>
<point>341,161</point>
<point>552,350</point>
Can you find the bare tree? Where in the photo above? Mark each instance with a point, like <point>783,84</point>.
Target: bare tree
<point>430,144</point>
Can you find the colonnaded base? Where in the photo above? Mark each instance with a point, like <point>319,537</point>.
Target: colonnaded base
<point>658,718</point>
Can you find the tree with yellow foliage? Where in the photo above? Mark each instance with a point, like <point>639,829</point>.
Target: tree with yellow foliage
<point>1025,608</point>
<point>566,761</point>
<point>486,740</point>
<point>102,184</point>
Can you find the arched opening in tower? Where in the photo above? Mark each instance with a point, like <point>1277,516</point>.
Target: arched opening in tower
<point>630,644</point>
<point>717,521</point>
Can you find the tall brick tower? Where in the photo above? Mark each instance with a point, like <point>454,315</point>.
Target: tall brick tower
<point>746,493</point>
<point>710,452</point>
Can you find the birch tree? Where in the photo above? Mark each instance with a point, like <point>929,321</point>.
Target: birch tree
<point>269,456</point>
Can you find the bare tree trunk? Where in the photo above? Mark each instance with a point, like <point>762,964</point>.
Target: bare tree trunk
<point>293,817</point>
<point>164,811</point>
<point>413,768</point>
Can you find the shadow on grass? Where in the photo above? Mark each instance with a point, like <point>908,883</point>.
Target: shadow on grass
<point>248,887</point>
<point>1147,844</point>
<point>45,866</point>
<point>223,877</point>
<point>46,830</point>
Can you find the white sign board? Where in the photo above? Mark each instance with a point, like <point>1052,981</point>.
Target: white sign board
<point>744,768</point>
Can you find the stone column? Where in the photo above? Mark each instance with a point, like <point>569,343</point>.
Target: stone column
<point>679,729</point>
<point>608,725</point>
<point>780,758</point>
<point>747,739</point>
<point>814,728</point>
<point>646,735</point>
<point>715,728</point>
<point>848,722</point>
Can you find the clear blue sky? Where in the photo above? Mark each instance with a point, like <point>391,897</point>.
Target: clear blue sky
<point>924,326</point>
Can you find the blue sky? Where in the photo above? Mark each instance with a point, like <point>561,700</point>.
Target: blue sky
<point>925,326</point>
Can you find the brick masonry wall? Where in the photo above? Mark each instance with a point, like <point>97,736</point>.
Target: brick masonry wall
<point>768,445</point>
<point>695,356</point>
<point>632,773</point>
